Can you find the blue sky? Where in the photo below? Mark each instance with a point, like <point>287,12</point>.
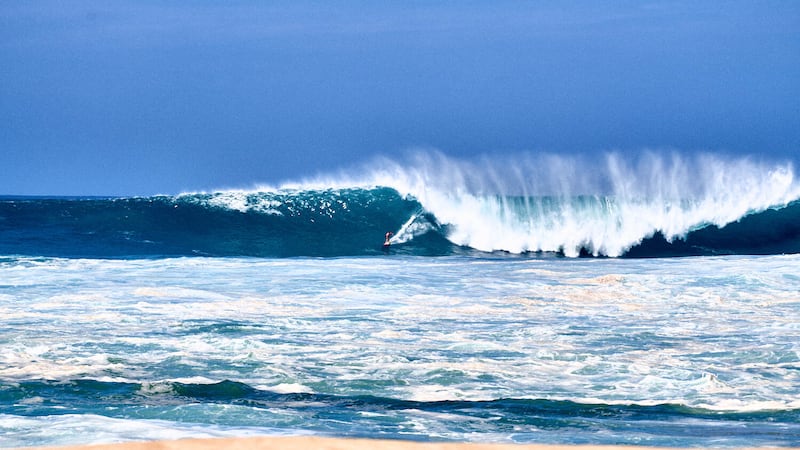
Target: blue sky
<point>144,97</point>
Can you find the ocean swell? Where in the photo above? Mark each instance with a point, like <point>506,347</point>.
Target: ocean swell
<point>652,205</point>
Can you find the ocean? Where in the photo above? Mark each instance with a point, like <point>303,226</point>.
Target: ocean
<point>544,299</point>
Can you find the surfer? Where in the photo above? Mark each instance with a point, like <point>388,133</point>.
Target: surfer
<point>386,242</point>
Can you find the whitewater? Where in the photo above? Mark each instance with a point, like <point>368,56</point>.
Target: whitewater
<point>603,206</point>
<point>526,298</point>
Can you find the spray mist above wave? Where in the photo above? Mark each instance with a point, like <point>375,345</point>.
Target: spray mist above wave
<point>604,205</point>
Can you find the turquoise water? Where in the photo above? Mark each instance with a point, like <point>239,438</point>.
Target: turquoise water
<point>353,222</point>
<point>695,351</point>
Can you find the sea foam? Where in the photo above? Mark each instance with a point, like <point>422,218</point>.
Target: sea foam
<point>568,204</point>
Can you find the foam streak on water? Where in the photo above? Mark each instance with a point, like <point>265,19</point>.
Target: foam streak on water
<point>684,351</point>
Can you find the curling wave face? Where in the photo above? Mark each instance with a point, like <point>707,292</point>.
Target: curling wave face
<point>436,205</point>
<point>651,205</point>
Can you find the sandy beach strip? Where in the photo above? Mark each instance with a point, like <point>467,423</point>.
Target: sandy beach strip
<point>324,443</point>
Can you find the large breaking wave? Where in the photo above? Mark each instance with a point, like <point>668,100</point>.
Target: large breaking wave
<point>649,206</point>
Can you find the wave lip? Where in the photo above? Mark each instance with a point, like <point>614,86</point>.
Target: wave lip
<point>574,205</point>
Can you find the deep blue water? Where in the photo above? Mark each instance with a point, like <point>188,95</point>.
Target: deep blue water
<point>347,222</point>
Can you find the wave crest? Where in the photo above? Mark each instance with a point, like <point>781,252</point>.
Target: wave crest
<point>650,205</point>
<point>574,204</point>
